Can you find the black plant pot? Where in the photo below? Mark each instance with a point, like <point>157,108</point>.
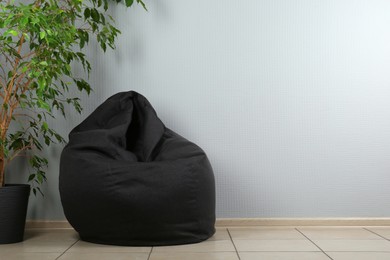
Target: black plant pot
<point>13,209</point>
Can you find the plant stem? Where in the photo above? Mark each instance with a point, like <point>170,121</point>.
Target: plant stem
<point>2,179</point>
<point>6,112</point>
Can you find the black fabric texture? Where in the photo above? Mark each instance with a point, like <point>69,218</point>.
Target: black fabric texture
<point>126,179</point>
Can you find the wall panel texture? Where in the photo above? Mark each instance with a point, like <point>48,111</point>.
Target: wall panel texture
<point>290,99</point>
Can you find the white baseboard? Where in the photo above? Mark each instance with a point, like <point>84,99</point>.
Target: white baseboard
<point>231,222</point>
<point>242,222</point>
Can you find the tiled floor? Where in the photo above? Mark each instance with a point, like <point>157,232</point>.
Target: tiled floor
<point>233,243</point>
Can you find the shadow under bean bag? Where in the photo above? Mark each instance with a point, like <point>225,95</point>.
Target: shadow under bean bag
<point>126,179</point>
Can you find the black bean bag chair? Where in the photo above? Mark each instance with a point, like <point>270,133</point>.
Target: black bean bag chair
<point>126,179</point>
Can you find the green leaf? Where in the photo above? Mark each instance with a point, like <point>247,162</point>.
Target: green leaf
<point>59,138</point>
<point>42,34</point>
<point>87,13</point>
<point>95,15</point>
<point>129,2</point>
<point>82,42</point>
<point>143,4</point>
<point>39,190</point>
<point>24,21</point>
<point>94,27</point>
<point>102,19</point>
<point>47,140</point>
<point>41,83</point>
<point>103,46</point>
<point>26,36</point>
<point>44,105</point>
<point>34,20</point>
<point>83,85</point>
<point>24,69</point>
<point>45,126</point>
<point>12,32</point>
<point>39,178</point>
<point>31,177</point>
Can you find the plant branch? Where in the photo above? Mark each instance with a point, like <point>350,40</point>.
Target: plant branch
<point>8,92</point>
<point>18,152</point>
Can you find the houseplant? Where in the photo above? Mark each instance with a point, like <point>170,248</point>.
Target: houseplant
<point>39,42</point>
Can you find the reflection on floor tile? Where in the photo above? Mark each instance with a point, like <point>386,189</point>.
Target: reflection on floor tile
<point>283,256</point>
<point>194,256</point>
<point>359,255</point>
<point>220,234</point>
<point>265,233</point>
<point>275,245</point>
<point>36,247</point>
<point>28,256</point>
<point>353,245</point>
<point>206,246</point>
<point>85,247</point>
<point>382,231</point>
<point>50,235</point>
<point>104,256</point>
<point>327,233</point>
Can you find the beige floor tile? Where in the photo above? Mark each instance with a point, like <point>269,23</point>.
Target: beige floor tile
<point>359,255</point>
<point>383,231</point>
<point>50,235</point>
<point>85,247</point>
<point>194,256</point>
<point>329,233</point>
<point>353,245</point>
<point>36,247</point>
<point>29,256</point>
<point>255,233</point>
<point>275,245</point>
<point>105,256</point>
<point>283,256</point>
<point>206,246</point>
<point>220,234</point>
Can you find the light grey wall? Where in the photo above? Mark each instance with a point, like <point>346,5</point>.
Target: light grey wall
<point>289,98</point>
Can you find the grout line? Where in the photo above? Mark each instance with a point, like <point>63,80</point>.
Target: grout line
<point>67,249</point>
<point>235,248</point>
<point>150,253</point>
<point>376,234</point>
<point>314,243</point>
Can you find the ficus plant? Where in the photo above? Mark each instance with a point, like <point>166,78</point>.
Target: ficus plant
<point>40,40</point>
